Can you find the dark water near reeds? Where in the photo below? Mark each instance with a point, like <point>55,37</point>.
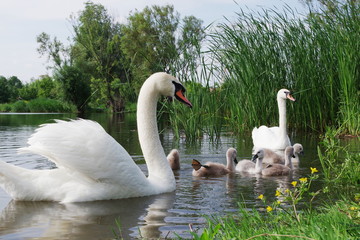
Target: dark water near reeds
<point>157,216</point>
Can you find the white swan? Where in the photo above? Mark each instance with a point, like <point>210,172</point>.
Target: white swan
<point>274,138</point>
<point>174,159</point>
<point>212,169</point>
<point>91,164</point>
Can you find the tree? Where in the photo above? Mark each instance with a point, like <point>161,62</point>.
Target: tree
<point>28,91</point>
<point>189,46</point>
<point>97,41</point>
<point>74,79</point>
<point>75,86</point>
<point>44,87</point>
<point>4,90</point>
<point>57,53</point>
<point>9,89</point>
<point>152,43</point>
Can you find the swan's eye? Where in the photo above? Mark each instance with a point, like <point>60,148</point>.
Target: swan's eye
<point>178,87</point>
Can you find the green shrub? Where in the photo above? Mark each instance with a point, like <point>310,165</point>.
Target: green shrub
<point>38,105</point>
<point>20,106</point>
<point>5,107</point>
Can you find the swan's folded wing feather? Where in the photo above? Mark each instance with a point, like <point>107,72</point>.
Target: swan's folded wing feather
<point>82,146</point>
<point>269,137</point>
<point>263,137</point>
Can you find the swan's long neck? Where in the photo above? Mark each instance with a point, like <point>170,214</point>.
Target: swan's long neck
<point>230,164</point>
<point>282,116</point>
<point>288,161</point>
<point>258,165</point>
<point>296,157</point>
<point>158,167</point>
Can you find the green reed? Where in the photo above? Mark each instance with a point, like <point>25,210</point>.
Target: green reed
<point>315,57</point>
<point>206,115</point>
<point>234,85</point>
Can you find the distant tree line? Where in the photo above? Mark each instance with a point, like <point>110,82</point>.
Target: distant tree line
<point>107,62</point>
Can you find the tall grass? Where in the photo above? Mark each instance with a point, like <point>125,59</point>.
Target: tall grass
<point>316,57</point>
<point>206,115</point>
<point>249,60</point>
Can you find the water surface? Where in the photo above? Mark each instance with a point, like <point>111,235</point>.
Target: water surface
<point>157,216</point>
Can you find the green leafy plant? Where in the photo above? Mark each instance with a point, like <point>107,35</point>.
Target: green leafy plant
<point>291,197</point>
<point>339,166</point>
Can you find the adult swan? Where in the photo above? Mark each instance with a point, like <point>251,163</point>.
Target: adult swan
<point>274,138</point>
<point>91,164</point>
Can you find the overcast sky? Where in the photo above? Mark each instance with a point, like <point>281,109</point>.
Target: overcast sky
<point>22,20</point>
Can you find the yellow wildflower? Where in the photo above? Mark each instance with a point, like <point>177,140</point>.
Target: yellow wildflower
<point>303,180</point>
<point>353,208</point>
<point>269,209</point>
<point>261,197</point>
<point>294,183</point>
<point>277,193</point>
<point>287,190</point>
<point>313,170</point>
<point>278,202</point>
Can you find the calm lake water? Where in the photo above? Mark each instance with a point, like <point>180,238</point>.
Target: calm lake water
<point>157,216</point>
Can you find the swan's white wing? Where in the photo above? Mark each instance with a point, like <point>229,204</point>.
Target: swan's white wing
<point>83,146</point>
<point>265,137</point>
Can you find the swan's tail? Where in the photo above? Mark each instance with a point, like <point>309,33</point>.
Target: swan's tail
<point>7,171</point>
<point>14,180</point>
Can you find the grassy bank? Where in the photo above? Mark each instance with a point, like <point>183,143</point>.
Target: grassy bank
<point>338,221</point>
<point>39,105</point>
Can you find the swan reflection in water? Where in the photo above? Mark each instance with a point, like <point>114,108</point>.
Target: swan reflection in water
<point>88,220</point>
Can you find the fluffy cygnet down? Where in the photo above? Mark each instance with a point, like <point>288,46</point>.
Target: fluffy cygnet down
<point>174,159</point>
<point>253,166</point>
<point>277,169</point>
<point>273,157</point>
<point>211,169</point>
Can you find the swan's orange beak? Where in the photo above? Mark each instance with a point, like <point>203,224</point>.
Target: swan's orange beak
<point>289,96</point>
<point>180,96</point>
